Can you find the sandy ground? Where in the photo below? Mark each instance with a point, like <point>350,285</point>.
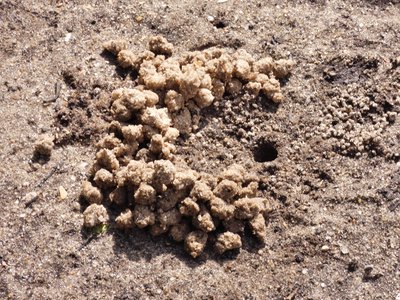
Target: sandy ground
<point>335,182</point>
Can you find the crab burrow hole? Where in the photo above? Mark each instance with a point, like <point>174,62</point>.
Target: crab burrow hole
<point>265,151</point>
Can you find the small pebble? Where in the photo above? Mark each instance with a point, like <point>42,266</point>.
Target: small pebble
<point>325,248</point>
<point>63,193</point>
<point>76,206</point>
<point>68,36</point>
<point>344,250</point>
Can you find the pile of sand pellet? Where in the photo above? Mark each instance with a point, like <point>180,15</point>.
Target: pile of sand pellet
<point>136,167</point>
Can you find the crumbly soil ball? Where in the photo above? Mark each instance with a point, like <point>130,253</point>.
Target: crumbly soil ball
<point>133,133</point>
<point>228,241</point>
<point>109,142</point>
<point>126,152</point>
<point>156,117</point>
<point>201,191</point>
<point>44,146</point>
<point>195,242</point>
<point>189,207</point>
<point>94,215</point>
<point>147,173</point>
<point>283,67</point>
<point>164,172</point>
<point>151,98</point>
<point>264,65</point>
<point>130,174</point>
<point>204,98</point>
<point>106,159</point>
<point>171,134</point>
<point>104,179</point>
<point>248,208</point>
<point>190,81</point>
<point>125,220</point>
<point>120,111</point>
<point>127,59</point>
<point>253,88</point>
<point>174,101</point>
<point>145,155</point>
<point>149,76</point>
<point>115,46</point>
<point>209,179</point>
<point>156,143</point>
<point>145,194</point>
<point>220,209</point>
<point>90,193</point>
<point>259,228</point>
<point>271,89</point>
<point>249,191</point>
<point>234,173</point>
<point>226,189</point>
<point>168,151</point>
<point>143,216</point>
<point>242,69</point>
<point>160,45</point>
<point>133,99</point>
<point>204,221</point>
<point>185,180</point>
<point>218,89</point>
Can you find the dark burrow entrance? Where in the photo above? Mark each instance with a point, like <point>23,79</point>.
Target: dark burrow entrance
<point>265,151</point>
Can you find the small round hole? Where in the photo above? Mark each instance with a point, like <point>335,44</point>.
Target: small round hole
<point>265,151</point>
<point>220,24</point>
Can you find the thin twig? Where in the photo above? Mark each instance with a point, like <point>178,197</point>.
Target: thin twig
<point>51,173</point>
<point>88,241</point>
<point>30,202</point>
<point>43,181</point>
<point>57,91</point>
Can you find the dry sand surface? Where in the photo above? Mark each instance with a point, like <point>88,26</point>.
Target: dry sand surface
<point>326,158</point>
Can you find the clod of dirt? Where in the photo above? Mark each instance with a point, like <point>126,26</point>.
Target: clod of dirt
<point>43,147</point>
<point>228,241</point>
<point>115,46</point>
<point>136,167</point>
<point>125,220</point>
<point>160,45</point>
<point>195,243</point>
<point>90,193</point>
<point>257,224</point>
<point>94,215</point>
